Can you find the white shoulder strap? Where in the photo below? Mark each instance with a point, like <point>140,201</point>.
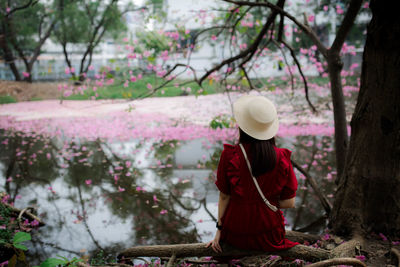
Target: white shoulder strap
<point>272,207</point>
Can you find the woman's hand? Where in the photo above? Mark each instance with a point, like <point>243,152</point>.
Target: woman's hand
<point>215,243</point>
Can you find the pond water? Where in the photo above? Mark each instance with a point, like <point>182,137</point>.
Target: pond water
<point>100,197</point>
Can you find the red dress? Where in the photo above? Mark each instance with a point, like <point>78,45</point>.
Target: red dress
<point>247,222</point>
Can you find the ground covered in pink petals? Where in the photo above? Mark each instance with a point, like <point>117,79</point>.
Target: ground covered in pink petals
<point>167,118</point>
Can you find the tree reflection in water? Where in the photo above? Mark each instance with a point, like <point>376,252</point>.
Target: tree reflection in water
<point>104,196</point>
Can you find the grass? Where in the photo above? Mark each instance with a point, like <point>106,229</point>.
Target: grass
<point>139,89</point>
<point>6,99</point>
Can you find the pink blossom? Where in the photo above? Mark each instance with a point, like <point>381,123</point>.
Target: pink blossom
<point>121,189</point>
<point>311,18</point>
<point>213,37</point>
<point>155,198</point>
<point>366,5</point>
<point>384,238</point>
<point>325,8</point>
<point>9,179</point>
<point>339,9</point>
<point>163,211</point>
<point>34,223</point>
<point>88,182</point>
<point>360,257</point>
<point>25,74</point>
<point>149,86</point>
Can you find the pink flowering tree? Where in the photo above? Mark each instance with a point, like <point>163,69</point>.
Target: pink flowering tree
<point>251,30</point>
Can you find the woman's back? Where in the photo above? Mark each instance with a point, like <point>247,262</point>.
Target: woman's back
<point>247,221</point>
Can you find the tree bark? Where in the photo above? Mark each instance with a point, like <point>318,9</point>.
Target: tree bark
<point>335,66</point>
<point>199,250</point>
<point>367,197</point>
<point>8,55</point>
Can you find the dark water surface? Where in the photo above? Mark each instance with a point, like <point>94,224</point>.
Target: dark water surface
<point>99,198</point>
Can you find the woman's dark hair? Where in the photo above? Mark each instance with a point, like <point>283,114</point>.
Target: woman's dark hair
<point>262,153</point>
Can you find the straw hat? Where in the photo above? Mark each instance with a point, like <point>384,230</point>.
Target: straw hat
<point>256,116</point>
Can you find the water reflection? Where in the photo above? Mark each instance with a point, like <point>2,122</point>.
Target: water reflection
<point>107,196</point>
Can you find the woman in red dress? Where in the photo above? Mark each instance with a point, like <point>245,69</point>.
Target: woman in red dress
<point>245,220</point>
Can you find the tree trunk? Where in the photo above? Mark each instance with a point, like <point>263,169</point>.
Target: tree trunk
<point>367,197</point>
<point>9,57</point>
<point>335,66</point>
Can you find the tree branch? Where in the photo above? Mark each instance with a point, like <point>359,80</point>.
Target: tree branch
<point>346,25</point>
<point>324,201</point>
<point>249,51</point>
<point>30,3</point>
<point>308,30</point>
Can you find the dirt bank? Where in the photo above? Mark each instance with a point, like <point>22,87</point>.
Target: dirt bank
<point>23,91</point>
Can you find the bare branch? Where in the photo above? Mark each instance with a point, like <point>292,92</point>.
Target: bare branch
<point>249,52</point>
<point>301,74</point>
<point>324,201</point>
<point>308,30</point>
<point>30,3</point>
<point>346,25</point>
<point>247,77</point>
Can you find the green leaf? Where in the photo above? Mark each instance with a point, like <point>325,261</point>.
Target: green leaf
<point>20,246</point>
<point>21,237</point>
<point>52,262</point>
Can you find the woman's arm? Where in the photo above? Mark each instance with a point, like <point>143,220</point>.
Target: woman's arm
<point>287,203</point>
<point>222,204</point>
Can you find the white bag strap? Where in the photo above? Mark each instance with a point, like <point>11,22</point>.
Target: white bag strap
<point>272,207</point>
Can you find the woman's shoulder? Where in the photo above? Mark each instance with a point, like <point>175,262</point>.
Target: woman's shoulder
<point>283,157</point>
<point>229,149</point>
<point>283,152</point>
<point>229,153</point>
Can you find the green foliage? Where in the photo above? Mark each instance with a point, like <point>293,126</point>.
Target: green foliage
<point>6,99</point>
<point>152,40</point>
<point>79,21</point>
<point>221,121</point>
<point>60,261</point>
<point>139,89</point>
<point>24,24</point>
<point>19,238</point>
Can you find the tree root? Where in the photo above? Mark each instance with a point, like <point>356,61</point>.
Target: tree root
<point>199,249</point>
<point>348,249</point>
<point>24,213</point>
<point>301,237</point>
<point>260,261</point>
<point>397,253</point>
<point>338,261</point>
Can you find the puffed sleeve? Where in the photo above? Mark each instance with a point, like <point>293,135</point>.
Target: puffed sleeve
<point>222,178</point>
<point>290,187</point>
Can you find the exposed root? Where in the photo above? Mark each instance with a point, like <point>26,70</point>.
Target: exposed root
<point>338,261</point>
<point>199,250</point>
<point>260,261</point>
<point>171,260</point>
<point>24,213</point>
<point>350,249</point>
<point>397,253</point>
